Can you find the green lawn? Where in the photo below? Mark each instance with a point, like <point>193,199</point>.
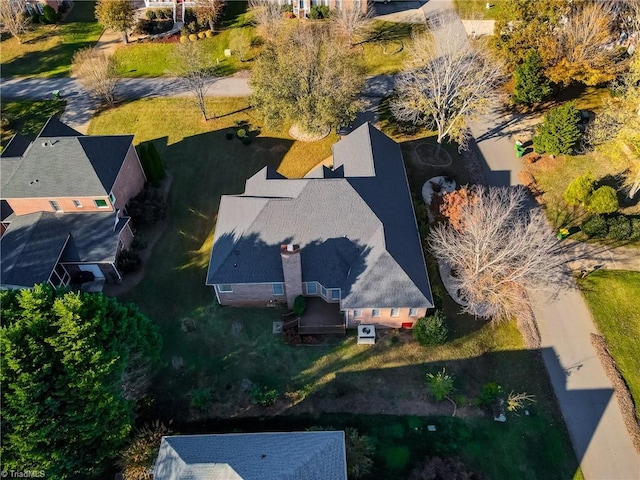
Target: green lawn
<point>614,300</point>
<point>47,51</point>
<point>153,59</point>
<point>27,117</point>
<point>477,9</point>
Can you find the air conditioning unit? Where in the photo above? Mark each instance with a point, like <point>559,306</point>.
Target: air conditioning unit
<point>366,334</point>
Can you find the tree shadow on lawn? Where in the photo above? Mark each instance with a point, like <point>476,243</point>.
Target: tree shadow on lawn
<point>56,60</point>
<point>533,446</point>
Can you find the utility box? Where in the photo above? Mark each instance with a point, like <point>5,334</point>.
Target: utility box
<point>366,334</point>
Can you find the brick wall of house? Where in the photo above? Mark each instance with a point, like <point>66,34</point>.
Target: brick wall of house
<point>250,294</point>
<point>130,180</point>
<point>385,319</point>
<point>24,206</point>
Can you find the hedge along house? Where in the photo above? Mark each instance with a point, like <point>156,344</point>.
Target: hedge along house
<point>302,8</point>
<point>63,198</point>
<point>348,236</point>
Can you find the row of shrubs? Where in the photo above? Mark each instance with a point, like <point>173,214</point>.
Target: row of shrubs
<point>614,227</point>
<point>192,37</point>
<point>159,13</point>
<point>153,27</point>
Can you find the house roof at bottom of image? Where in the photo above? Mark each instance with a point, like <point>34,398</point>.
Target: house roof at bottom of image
<point>33,243</point>
<point>253,456</point>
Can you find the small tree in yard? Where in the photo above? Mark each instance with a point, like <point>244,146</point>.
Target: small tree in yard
<point>453,205</point>
<point>208,11</point>
<point>531,86</point>
<point>603,200</point>
<point>268,16</point>
<point>440,386</point>
<point>504,248</point>
<point>559,133</point>
<point>349,21</point>
<point>446,83</point>
<point>579,190</point>
<point>431,330</point>
<point>240,43</point>
<point>13,17</point>
<point>190,64</point>
<point>96,72</point>
<point>118,15</point>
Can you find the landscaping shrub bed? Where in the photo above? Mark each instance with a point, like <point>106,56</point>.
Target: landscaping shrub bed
<point>615,227</point>
<point>153,27</point>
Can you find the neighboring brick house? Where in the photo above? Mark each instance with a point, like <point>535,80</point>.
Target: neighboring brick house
<point>63,197</point>
<point>253,456</point>
<point>35,6</point>
<point>348,236</point>
<point>301,8</point>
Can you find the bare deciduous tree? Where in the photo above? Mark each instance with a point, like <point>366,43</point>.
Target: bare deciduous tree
<point>96,72</point>
<point>350,20</point>
<point>446,83</point>
<point>267,15</point>
<point>193,71</point>
<point>502,249</point>
<point>13,18</point>
<point>208,11</point>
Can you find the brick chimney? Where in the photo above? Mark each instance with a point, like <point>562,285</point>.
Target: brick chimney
<point>292,269</point>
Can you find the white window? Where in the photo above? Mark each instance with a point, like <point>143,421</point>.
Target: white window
<point>312,288</point>
<point>278,289</point>
<point>112,198</point>
<point>224,288</point>
<point>357,313</point>
<point>55,205</point>
<point>413,312</point>
<point>375,312</point>
<point>395,312</point>
<point>335,294</point>
<point>323,291</point>
<point>77,203</point>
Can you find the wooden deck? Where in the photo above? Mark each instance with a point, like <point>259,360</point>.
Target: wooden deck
<point>321,317</point>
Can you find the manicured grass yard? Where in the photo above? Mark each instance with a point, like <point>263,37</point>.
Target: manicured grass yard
<point>614,300</point>
<point>47,50</point>
<point>153,59</point>
<point>27,117</point>
<point>232,344</point>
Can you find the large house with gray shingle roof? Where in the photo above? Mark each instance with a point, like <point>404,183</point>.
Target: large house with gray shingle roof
<point>63,197</point>
<point>253,456</point>
<point>348,236</point>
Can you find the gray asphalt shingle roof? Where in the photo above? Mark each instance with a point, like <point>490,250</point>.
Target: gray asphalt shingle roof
<point>356,233</point>
<point>64,163</point>
<point>253,456</point>
<point>33,243</point>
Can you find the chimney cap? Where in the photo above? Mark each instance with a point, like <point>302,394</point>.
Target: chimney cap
<point>289,248</point>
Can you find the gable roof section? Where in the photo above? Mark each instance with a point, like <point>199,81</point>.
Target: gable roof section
<point>16,146</point>
<point>253,456</point>
<point>55,128</point>
<point>358,234</point>
<point>69,166</point>
<point>33,243</point>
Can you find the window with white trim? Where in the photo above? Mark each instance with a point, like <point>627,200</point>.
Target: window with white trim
<point>277,289</point>
<point>55,205</point>
<point>395,312</point>
<point>323,291</point>
<point>357,313</point>
<point>112,198</point>
<point>312,288</point>
<point>77,203</point>
<point>375,312</point>
<point>335,294</point>
<point>225,288</point>
<point>100,203</point>
<point>413,312</point>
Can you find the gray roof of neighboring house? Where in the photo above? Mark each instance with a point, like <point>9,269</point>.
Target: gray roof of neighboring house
<point>357,234</point>
<point>253,456</point>
<point>33,243</point>
<point>64,163</point>
<point>16,146</point>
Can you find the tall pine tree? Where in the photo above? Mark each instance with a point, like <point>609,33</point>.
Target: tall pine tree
<point>531,86</point>
<point>559,133</point>
<point>70,365</point>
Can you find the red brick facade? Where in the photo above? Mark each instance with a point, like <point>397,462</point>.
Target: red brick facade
<point>130,180</point>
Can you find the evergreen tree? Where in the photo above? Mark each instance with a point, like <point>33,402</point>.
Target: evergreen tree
<point>531,86</point>
<point>71,364</point>
<point>559,133</point>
